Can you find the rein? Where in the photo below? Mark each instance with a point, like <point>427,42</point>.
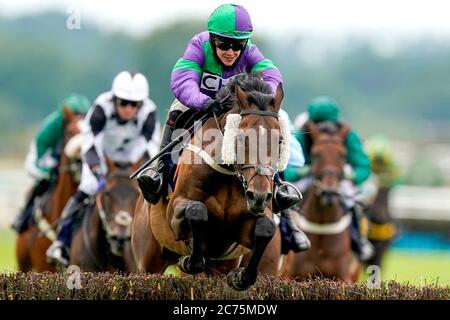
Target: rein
<point>345,220</point>
<point>260,169</point>
<point>122,218</point>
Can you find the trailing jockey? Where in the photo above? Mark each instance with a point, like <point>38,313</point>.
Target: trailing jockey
<point>121,125</point>
<point>43,156</point>
<point>356,171</point>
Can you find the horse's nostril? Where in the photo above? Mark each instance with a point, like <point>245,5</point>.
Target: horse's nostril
<point>250,195</point>
<point>258,198</point>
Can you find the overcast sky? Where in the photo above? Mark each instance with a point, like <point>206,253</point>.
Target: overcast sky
<point>273,17</point>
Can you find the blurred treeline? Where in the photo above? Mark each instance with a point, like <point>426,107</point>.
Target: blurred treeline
<point>405,94</point>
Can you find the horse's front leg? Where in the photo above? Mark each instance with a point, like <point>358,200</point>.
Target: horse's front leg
<point>243,278</point>
<point>196,215</point>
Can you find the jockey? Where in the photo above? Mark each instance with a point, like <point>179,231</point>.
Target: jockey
<point>385,176</point>
<point>122,126</point>
<point>210,61</point>
<point>43,155</point>
<point>382,162</point>
<point>385,172</point>
<point>356,171</point>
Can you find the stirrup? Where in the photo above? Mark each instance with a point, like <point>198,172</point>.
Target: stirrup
<point>146,181</point>
<point>281,195</point>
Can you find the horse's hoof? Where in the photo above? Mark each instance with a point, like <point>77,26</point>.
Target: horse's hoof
<point>187,267</point>
<point>239,279</point>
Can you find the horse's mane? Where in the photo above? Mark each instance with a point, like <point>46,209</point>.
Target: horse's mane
<point>256,89</point>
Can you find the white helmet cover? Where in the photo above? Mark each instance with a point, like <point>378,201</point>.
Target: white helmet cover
<point>133,87</point>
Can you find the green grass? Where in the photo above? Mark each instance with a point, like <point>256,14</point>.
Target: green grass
<point>7,250</point>
<point>417,268</point>
<point>402,266</point>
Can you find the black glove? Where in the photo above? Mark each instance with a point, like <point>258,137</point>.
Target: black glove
<point>213,107</point>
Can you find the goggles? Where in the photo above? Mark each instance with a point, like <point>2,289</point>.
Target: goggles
<point>226,44</point>
<point>124,103</point>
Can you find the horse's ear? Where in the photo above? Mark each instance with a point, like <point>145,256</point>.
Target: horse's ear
<point>279,95</point>
<point>110,164</point>
<point>68,114</point>
<point>241,97</point>
<point>312,129</point>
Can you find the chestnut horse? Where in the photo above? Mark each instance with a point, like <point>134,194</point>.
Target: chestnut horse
<point>102,242</point>
<point>32,244</point>
<point>323,217</point>
<point>217,214</point>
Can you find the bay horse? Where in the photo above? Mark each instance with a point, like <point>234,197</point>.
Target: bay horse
<point>323,217</point>
<point>217,214</point>
<point>102,242</point>
<point>381,226</point>
<point>32,244</point>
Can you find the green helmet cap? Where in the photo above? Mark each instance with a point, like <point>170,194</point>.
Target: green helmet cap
<point>230,20</point>
<point>323,108</point>
<point>77,103</point>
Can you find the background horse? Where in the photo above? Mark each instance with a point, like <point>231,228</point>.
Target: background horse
<point>381,227</point>
<point>102,243</point>
<point>32,244</point>
<point>323,217</point>
<point>217,214</point>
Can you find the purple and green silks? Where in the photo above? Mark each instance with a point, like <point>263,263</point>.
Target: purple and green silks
<point>197,76</point>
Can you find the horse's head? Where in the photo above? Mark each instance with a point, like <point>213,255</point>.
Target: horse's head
<point>252,138</point>
<point>328,157</point>
<point>72,142</point>
<point>116,205</point>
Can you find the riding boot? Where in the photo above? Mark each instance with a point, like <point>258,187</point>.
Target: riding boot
<point>22,220</point>
<point>360,244</point>
<point>151,181</point>
<point>299,240</point>
<point>58,252</point>
<point>286,195</point>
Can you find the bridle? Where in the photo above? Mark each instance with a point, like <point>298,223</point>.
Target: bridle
<point>260,169</point>
<point>122,218</point>
<point>316,182</point>
<point>320,190</point>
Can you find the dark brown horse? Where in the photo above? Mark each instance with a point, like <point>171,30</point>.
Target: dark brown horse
<point>323,217</point>
<point>381,226</point>
<point>32,244</point>
<point>102,243</point>
<point>217,214</point>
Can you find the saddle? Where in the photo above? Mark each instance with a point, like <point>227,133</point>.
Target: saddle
<point>184,121</point>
